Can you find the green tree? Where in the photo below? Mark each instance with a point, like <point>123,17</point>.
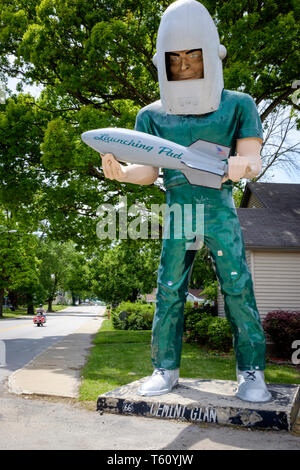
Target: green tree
<point>100,53</point>
<point>55,263</point>
<point>125,271</point>
<point>94,61</point>
<point>21,133</point>
<point>238,192</point>
<point>202,271</point>
<point>18,267</point>
<point>78,278</point>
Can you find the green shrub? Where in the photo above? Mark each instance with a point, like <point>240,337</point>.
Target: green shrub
<point>192,315</point>
<point>284,328</point>
<point>219,334</point>
<point>215,332</point>
<point>201,328</point>
<point>139,316</point>
<point>140,321</point>
<point>210,290</point>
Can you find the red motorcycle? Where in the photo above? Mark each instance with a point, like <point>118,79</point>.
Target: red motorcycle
<point>39,319</point>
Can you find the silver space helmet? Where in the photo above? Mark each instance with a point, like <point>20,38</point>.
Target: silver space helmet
<point>187,25</point>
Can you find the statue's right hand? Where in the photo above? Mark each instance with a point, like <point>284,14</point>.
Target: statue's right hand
<point>112,168</point>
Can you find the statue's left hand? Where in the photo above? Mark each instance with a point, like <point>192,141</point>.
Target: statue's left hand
<point>237,168</point>
<point>247,163</point>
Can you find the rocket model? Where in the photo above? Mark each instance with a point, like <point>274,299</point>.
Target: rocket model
<point>202,163</point>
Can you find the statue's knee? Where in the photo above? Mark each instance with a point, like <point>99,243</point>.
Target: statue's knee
<point>169,290</point>
<point>236,283</point>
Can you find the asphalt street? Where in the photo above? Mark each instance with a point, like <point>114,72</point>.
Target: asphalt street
<point>23,340</point>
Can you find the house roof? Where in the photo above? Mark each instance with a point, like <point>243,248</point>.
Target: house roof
<point>265,228</point>
<point>197,293</point>
<point>277,224</point>
<point>273,195</point>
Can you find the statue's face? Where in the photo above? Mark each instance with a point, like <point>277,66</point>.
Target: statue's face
<point>185,65</point>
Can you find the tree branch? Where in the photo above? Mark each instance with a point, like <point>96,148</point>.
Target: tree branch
<point>276,102</point>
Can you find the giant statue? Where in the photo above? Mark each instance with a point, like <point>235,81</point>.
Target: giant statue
<point>194,105</point>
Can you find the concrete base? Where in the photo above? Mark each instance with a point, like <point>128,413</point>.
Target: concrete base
<point>208,401</point>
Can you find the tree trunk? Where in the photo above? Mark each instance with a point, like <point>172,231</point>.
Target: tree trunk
<point>13,299</point>
<point>134,295</point>
<point>49,310</point>
<point>52,295</point>
<point>29,303</point>
<point>30,309</point>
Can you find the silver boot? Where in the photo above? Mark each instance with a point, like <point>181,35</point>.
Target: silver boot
<point>252,387</point>
<point>161,381</point>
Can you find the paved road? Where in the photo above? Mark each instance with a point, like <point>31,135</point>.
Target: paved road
<point>23,340</point>
<point>50,425</point>
<point>57,423</point>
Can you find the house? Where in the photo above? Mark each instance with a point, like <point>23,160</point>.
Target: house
<point>269,215</point>
<point>150,298</point>
<point>194,295</point>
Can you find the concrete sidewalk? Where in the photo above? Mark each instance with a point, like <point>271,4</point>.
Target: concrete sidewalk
<point>56,371</point>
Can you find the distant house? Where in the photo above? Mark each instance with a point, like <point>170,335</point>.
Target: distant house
<point>194,295</point>
<point>150,298</point>
<point>270,219</point>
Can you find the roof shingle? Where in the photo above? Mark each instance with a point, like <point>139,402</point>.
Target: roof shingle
<point>277,225</point>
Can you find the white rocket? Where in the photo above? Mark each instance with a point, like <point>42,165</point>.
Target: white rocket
<point>202,163</point>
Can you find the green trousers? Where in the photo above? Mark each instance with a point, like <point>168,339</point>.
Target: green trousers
<point>223,236</point>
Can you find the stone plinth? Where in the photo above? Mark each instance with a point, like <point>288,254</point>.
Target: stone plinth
<point>207,401</point>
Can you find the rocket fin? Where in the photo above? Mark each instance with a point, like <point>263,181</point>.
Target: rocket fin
<point>203,178</point>
<point>210,149</point>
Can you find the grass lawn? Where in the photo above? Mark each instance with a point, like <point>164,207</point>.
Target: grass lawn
<point>7,313</point>
<point>122,356</point>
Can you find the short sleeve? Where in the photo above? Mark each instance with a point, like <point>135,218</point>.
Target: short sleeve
<point>142,122</point>
<point>249,120</point>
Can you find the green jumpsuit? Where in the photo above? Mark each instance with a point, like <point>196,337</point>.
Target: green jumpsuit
<point>236,118</point>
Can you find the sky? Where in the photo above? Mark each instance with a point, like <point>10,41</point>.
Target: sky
<point>280,175</point>
<point>276,174</point>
